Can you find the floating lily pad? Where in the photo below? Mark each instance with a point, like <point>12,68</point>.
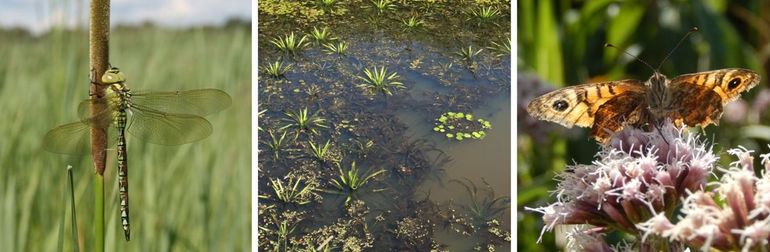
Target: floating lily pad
<point>460,126</point>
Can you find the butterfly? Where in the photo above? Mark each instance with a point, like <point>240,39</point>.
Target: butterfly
<point>696,99</point>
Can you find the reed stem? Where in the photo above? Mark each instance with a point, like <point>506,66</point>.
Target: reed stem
<point>99,38</point>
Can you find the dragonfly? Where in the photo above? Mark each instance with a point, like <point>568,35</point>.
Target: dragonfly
<point>165,118</point>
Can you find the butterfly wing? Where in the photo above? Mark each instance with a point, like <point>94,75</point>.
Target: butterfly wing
<point>577,105</point>
<point>628,108</point>
<point>698,99</point>
<point>604,106</point>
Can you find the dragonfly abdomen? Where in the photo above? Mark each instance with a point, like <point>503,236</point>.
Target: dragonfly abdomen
<point>123,173</point>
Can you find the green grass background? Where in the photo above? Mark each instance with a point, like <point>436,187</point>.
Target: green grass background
<point>193,197</point>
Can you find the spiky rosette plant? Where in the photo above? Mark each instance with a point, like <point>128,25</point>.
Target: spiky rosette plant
<point>460,126</point>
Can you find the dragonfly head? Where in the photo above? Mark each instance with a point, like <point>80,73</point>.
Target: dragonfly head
<point>113,75</point>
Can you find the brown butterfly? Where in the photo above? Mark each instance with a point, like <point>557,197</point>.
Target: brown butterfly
<point>696,99</point>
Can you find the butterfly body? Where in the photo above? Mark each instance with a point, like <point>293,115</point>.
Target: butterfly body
<point>696,99</point>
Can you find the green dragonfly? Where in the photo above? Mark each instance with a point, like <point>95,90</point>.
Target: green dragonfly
<point>165,118</point>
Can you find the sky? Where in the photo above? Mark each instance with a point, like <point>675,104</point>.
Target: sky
<point>39,15</point>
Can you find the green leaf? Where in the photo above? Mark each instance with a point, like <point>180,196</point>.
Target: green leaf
<point>623,27</point>
<point>548,61</point>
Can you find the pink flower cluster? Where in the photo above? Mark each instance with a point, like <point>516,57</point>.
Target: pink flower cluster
<point>637,175</point>
<point>734,216</point>
<point>642,180</point>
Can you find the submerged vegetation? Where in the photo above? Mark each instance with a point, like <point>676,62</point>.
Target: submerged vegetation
<point>501,48</point>
<point>468,54</point>
<point>343,135</point>
<point>483,206</point>
<point>339,48</point>
<point>349,182</point>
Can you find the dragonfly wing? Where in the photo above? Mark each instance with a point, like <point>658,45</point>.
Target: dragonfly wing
<point>167,128</point>
<point>95,110</point>
<point>71,138</point>
<point>74,138</point>
<point>192,102</point>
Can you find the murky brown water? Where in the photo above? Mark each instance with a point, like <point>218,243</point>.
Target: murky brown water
<point>488,159</point>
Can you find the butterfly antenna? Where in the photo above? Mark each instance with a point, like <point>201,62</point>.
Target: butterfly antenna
<point>629,54</point>
<point>693,29</point>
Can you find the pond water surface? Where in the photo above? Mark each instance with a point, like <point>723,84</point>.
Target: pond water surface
<point>425,195</point>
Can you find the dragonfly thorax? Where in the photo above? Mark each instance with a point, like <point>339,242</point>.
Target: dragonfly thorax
<point>119,96</point>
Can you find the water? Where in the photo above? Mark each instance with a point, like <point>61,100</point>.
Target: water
<point>437,80</point>
<point>488,159</point>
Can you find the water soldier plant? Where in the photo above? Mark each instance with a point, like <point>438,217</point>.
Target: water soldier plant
<point>323,153</point>
<point>484,15</point>
<point>381,81</point>
<point>468,54</point>
<point>322,36</point>
<point>502,48</point>
<point>412,23</point>
<point>339,48</point>
<point>460,126</point>
<point>349,182</point>
<point>276,144</point>
<point>276,69</point>
<point>293,193</point>
<point>383,5</point>
<point>290,44</point>
<point>303,122</point>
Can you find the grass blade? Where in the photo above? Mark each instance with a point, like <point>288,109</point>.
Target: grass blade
<point>71,189</point>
